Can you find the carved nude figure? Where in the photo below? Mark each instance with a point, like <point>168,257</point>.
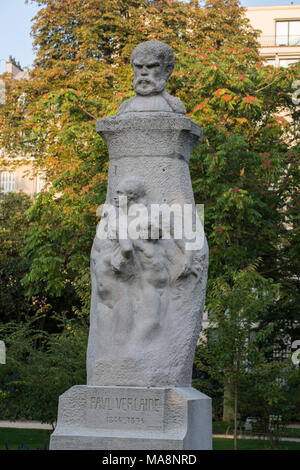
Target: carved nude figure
<point>145,252</point>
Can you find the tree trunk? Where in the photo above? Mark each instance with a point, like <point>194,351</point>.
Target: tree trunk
<point>228,410</point>
<point>236,385</point>
<point>235,413</point>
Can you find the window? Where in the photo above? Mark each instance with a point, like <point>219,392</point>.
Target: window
<point>2,92</point>
<point>287,33</point>
<point>40,183</point>
<point>270,62</point>
<point>7,182</point>
<point>287,62</point>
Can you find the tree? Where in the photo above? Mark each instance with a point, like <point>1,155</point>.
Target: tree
<point>82,73</point>
<point>269,392</point>
<point>246,171</point>
<point>234,313</point>
<point>13,266</point>
<point>33,378</point>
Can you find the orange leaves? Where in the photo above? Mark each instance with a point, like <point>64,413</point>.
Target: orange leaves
<point>250,99</point>
<point>221,91</point>
<point>201,106</point>
<point>226,97</point>
<point>196,108</point>
<point>267,161</point>
<point>267,164</point>
<point>242,120</point>
<point>281,120</point>
<point>119,95</point>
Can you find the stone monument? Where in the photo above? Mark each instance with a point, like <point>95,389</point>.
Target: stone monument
<point>148,282</point>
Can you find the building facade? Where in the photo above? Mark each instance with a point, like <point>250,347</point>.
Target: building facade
<point>280,33</point>
<point>18,177</point>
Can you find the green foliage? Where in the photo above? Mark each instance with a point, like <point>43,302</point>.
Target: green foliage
<point>82,73</point>
<point>33,378</point>
<point>270,393</point>
<point>270,388</point>
<point>246,171</point>
<point>234,310</point>
<point>13,228</point>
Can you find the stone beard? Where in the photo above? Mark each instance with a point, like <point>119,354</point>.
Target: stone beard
<point>152,63</point>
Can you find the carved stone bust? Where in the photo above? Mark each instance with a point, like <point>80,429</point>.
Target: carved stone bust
<point>152,63</point>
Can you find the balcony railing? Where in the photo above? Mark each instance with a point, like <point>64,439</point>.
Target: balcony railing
<point>278,41</point>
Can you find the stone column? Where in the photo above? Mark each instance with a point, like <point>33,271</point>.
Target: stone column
<point>148,292</point>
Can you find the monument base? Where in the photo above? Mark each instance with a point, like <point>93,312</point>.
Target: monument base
<point>133,418</point>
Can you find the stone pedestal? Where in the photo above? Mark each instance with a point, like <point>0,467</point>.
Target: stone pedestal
<point>133,418</point>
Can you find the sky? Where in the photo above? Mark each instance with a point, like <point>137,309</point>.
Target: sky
<point>15,26</point>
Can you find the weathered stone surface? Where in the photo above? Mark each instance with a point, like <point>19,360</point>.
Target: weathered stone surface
<point>111,418</point>
<point>152,63</point>
<point>149,135</point>
<point>147,295</point>
<point>148,291</point>
<point>153,148</point>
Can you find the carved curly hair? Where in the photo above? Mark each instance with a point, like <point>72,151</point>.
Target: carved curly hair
<point>163,51</point>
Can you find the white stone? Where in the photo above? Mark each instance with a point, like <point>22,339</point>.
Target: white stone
<point>148,292</point>
<point>132,418</point>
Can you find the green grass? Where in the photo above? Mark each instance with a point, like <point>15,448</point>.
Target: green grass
<point>31,438</point>
<point>221,427</point>
<point>291,432</point>
<point>36,438</point>
<point>252,444</point>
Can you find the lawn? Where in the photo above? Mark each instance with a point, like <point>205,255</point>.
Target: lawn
<point>221,427</point>
<point>33,439</point>
<point>252,444</point>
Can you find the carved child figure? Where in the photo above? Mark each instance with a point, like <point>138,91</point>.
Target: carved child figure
<point>144,250</point>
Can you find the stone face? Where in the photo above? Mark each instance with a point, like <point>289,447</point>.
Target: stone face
<point>152,63</point>
<point>107,418</point>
